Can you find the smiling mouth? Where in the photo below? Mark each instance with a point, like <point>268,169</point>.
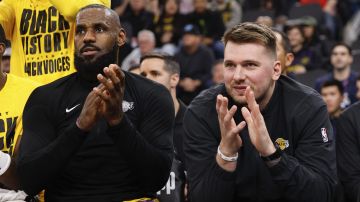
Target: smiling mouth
<point>240,89</point>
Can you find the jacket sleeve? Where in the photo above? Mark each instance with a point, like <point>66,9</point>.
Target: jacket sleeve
<point>7,17</point>
<point>149,147</point>
<point>207,181</point>
<point>71,8</point>
<point>310,173</point>
<point>348,153</point>
<point>42,155</point>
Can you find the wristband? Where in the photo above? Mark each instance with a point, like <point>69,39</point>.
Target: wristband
<point>227,158</point>
<point>5,160</point>
<point>275,155</point>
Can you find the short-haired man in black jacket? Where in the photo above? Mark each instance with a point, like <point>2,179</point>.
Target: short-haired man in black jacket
<point>260,136</point>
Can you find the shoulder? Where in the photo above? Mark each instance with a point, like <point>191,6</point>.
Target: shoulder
<point>144,88</point>
<point>206,100</point>
<point>51,90</point>
<point>353,111</point>
<point>299,96</point>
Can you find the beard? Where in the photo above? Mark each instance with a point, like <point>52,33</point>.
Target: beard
<point>89,70</point>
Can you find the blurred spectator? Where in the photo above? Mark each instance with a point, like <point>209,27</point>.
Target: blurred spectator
<point>304,58</point>
<point>230,10</point>
<point>352,29</point>
<point>332,93</point>
<point>6,60</point>
<point>162,69</point>
<point>332,20</point>
<point>146,42</point>
<point>211,26</point>
<point>137,17</point>
<point>316,41</point>
<point>341,60</point>
<point>168,26</point>
<point>217,74</point>
<point>265,20</point>
<point>186,7</point>
<point>283,50</point>
<point>195,61</point>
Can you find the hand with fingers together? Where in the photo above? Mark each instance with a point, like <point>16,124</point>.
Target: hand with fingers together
<point>89,113</point>
<point>258,132</point>
<point>112,93</point>
<point>230,138</point>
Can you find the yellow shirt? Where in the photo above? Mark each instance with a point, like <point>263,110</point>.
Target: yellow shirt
<point>42,39</point>
<point>13,97</point>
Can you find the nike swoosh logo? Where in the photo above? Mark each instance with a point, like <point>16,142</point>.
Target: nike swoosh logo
<point>72,108</point>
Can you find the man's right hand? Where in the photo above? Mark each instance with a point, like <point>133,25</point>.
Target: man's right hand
<point>89,113</point>
<point>230,138</point>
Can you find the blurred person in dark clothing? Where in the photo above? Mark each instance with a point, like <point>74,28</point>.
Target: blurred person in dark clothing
<point>210,24</point>
<point>341,60</point>
<point>162,68</point>
<point>195,61</point>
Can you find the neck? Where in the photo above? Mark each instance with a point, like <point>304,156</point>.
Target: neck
<point>342,74</point>
<point>336,114</point>
<point>175,100</point>
<point>266,99</point>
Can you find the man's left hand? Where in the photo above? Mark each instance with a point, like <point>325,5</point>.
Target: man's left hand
<point>258,132</point>
<point>113,94</point>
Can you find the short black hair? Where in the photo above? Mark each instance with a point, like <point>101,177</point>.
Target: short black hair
<point>334,82</point>
<point>170,64</point>
<point>341,44</point>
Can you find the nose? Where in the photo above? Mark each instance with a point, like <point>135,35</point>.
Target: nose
<point>239,73</point>
<point>89,37</point>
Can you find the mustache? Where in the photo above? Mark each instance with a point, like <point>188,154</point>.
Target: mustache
<point>89,46</point>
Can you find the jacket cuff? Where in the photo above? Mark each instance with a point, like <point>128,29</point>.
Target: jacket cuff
<point>223,174</point>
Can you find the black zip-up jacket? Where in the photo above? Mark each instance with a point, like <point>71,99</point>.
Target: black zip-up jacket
<point>297,121</point>
<point>127,161</point>
<point>348,151</point>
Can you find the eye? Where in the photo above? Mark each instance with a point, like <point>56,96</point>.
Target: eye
<point>99,29</point>
<point>250,65</point>
<point>80,30</point>
<point>155,74</point>
<point>229,65</point>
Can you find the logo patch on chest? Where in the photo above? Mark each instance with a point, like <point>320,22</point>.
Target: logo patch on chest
<point>126,106</point>
<point>282,143</point>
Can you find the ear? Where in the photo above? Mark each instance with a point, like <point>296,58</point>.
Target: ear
<point>277,70</point>
<point>121,37</point>
<point>174,80</point>
<point>289,59</point>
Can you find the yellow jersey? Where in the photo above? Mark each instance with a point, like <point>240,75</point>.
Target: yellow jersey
<point>13,97</point>
<point>42,36</point>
